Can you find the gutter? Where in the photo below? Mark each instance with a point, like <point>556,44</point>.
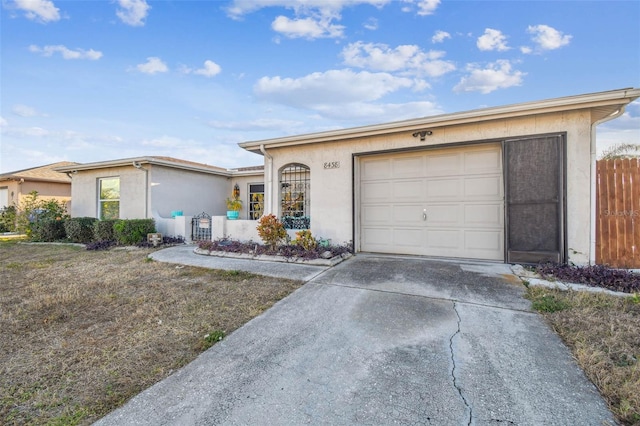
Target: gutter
<point>146,187</point>
<point>269,172</point>
<point>594,213</point>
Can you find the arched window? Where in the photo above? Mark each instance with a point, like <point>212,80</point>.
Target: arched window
<point>295,200</point>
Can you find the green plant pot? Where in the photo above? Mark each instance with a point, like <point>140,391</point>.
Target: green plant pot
<point>232,214</point>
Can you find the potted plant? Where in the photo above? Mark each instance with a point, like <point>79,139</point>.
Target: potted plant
<point>234,205</point>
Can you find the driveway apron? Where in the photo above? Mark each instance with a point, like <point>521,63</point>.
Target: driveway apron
<point>383,340</point>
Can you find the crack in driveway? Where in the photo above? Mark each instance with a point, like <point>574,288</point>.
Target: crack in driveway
<point>453,368</point>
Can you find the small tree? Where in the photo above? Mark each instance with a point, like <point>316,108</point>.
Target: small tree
<point>32,210</point>
<point>621,150</point>
<point>271,230</point>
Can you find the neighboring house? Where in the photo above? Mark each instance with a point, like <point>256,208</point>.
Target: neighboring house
<point>158,188</point>
<point>15,186</point>
<point>510,184</point>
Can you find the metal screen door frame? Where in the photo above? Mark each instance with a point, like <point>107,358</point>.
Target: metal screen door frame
<point>528,238</point>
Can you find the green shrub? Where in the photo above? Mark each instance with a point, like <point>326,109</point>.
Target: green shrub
<point>132,231</point>
<point>305,240</point>
<point>8,219</point>
<point>48,230</point>
<point>103,230</point>
<point>80,229</point>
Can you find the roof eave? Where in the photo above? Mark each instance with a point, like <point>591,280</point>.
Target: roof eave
<point>139,160</point>
<point>615,99</point>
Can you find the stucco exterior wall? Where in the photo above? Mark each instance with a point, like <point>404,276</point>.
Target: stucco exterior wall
<point>332,189</point>
<point>84,192</point>
<point>189,191</point>
<point>16,191</point>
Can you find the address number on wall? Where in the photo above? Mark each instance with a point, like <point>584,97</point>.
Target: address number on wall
<point>332,165</point>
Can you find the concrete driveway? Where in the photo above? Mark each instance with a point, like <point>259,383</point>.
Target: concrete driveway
<point>383,340</point>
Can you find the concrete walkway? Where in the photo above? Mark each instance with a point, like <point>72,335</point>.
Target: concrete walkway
<point>382,340</point>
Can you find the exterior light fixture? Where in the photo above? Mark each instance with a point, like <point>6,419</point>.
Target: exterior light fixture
<point>423,134</point>
<point>236,191</point>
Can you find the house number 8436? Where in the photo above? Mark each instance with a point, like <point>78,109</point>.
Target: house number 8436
<point>331,164</point>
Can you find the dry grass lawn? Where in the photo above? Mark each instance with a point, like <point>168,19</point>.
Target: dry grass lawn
<point>603,332</point>
<point>83,331</point>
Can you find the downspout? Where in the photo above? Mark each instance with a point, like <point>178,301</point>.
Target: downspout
<point>269,186</point>
<point>146,188</point>
<point>592,247</point>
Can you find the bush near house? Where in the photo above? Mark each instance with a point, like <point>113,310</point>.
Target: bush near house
<point>8,219</point>
<point>48,230</point>
<point>103,230</point>
<point>80,229</point>
<point>133,231</point>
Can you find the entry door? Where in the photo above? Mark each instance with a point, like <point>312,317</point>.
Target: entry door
<point>442,202</point>
<point>535,199</point>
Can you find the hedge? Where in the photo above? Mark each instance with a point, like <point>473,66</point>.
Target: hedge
<point>133,231</point>
<point>80,229</point>
<point>48,230</point>
<point>103,230</point>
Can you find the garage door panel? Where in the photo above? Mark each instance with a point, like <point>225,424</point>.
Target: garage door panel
<point>408,237</point>
<point>483,187</point>
<point>411,213</point>
<point>376,191</point>
<point>447,164</point>
<point>407,167</point>
<point>444,239</point>
<point>407,190</point>
<point>484,215</point>
<point>376,169</point>
<point>377,214</point>
<point>444,214</point>
<point>443,189</point>
<point>483,161</point>
<point>377,237</point>
<point>460,190</point>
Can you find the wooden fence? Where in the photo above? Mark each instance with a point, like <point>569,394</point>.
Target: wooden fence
<point>618,213</point>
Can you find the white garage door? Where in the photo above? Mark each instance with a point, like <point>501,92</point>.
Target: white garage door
<point>445,202</point>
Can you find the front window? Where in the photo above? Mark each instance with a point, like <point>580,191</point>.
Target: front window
<point>256,201</point>
<point>295,200</point>
<point>109,198</point>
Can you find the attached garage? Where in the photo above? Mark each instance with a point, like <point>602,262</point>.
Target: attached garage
<point>513,183</point>
<point>440,202</point>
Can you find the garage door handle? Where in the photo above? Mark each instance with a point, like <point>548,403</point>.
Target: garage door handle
<point>424,214</point>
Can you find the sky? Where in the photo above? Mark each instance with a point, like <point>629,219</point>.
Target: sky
<point>98,80</point>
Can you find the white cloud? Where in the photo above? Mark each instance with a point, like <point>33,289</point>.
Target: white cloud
<point>526,50</point>
<point>496,75</point>
<point>440,36</point>
<point>331,87</point>
<point>548,38</point>
<point>311,18</point>
<point>307,28</point>
<point>371,24</point>
<point>38,10</point>
<point>66,52</point>
<point>238,8</point>
<point>427,7</point>
<point>409,59</point>
<point>152,66</point>
<point>492,40</point>
<point>209,69</point>
<point>3,122</point>
<point>24,111</point>
<point>133,12</point>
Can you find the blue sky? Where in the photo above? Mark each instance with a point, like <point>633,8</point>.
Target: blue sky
<point>99,80</point>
